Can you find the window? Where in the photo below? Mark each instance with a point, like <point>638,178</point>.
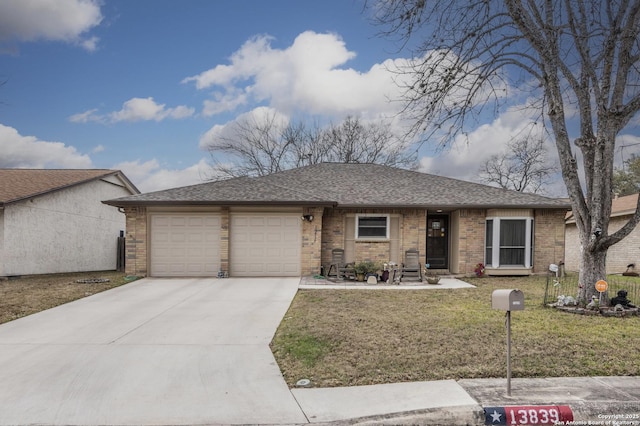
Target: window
<point>489,242</point>
<point>372,227</point>
<point>509,242</point>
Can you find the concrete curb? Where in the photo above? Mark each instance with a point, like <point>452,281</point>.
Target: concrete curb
<point>459,415</point>
<point>592,413</point>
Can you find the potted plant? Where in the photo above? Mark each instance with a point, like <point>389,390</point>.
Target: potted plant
<point>430,277</point>
<point>364,268</point>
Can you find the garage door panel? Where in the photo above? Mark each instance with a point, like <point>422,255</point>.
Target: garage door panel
<point>290,269</point>
<point>177,238</point>
<point>195,221</point>
<point>195,238</point>
<point>273,238</point>
<point>265,244</point>
<point>185,244</point>
<point>255,237</point>
<point>289,252</point>
<point>177,221</point>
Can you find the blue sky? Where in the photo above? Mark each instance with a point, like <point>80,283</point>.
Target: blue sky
<point>140,85</point>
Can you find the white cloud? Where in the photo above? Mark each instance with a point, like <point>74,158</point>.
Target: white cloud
<point>29,152</point>
<point>135,109</point>
<point>57,20</point>
<point>87,116</point>
<point>150,176</point>
<point>308,76</point>
<point>98,149</point>
<point>466,156</point>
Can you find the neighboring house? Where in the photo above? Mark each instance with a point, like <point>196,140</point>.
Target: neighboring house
<point>54,220</point>
<point>287,223</point>
<point>620,255</point>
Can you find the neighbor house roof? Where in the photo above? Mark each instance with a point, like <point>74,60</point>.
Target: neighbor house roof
<point>344,185</point>
<point>21,184</point>
<point>620,206</point>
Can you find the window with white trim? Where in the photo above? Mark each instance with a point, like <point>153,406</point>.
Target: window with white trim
<point>372,227</point>
<point>509,242</point>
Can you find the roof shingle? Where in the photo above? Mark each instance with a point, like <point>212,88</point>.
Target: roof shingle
<point>346,185</point>
<point>19,184</point>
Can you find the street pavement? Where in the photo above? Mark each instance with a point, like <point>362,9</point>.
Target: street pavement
<point>195,352</point>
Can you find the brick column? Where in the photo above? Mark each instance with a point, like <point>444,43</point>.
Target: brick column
<point>471,240</point>
<point>311,255</point>
<point>224,239</point>
<point>136,241</point>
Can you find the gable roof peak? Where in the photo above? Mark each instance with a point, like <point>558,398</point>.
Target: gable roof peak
<point>20,184</point>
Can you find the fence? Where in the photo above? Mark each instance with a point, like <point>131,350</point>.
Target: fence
<point>568,286</point>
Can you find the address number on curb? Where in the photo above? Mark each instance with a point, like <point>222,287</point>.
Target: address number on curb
<point>521,415</point>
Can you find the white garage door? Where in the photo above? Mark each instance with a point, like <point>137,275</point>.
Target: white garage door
<point>265,245</point>
<point>185,245</point>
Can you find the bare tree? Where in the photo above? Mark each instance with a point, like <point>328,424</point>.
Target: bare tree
<point>254,147</point>
<point>523,167</point>
<point>578,57</point>
<point>355,142</point>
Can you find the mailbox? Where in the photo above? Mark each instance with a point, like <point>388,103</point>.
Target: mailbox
<point>508,300</point>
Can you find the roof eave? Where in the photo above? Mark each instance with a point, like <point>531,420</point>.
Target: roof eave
<point>455,206</point>
<point>173,203</point>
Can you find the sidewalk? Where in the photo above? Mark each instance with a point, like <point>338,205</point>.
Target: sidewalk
<point>591,400</point>
<point>323,283</point>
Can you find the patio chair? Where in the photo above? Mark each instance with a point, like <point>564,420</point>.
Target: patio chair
<point>340,268</point>
<point>411,267</point>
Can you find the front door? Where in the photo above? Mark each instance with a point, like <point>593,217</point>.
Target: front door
<point>438,242</point>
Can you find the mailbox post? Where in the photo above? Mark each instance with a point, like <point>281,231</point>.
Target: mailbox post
<point>508,300</point>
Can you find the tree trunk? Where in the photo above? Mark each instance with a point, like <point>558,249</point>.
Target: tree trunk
<point>592,269</point>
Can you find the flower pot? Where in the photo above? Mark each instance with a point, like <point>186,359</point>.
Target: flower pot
<point>433,280</point>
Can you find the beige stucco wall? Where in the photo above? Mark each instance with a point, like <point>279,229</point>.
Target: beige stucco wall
<point>619,255</point>
<point>64,231</point>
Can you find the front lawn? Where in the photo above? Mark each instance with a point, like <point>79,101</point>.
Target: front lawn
<point>360,337</point>
<point>34,293</point>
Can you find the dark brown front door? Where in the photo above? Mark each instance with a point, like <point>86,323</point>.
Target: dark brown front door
<point>438,242</point>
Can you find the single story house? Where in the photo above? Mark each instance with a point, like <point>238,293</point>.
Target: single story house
<point>54,220</point>
<point>288,223</point>
<point>620,255</point>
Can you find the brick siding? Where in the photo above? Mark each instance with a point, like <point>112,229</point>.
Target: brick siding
<point>136,241</point>
<point>311,255</point>
<point>619,255</point>
<point>327,231</point>
<point>471,228</point>
<point>548,239</point>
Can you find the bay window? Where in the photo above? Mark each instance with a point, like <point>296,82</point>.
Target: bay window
<point>509,242</point>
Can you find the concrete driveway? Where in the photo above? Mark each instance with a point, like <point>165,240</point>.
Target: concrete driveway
<point>153,352</point>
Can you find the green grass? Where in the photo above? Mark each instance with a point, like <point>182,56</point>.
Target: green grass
<point>306,348</point>
<point>356,337</point>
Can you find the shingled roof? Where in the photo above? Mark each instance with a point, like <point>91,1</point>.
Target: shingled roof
<point>21,184</point>
<point>345,185</point>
